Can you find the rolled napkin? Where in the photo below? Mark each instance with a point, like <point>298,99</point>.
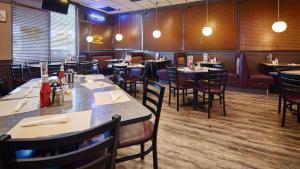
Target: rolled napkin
<point>51,120</point>
<point>115,96</point>
<point>20,104</point>
<point>28,91</point>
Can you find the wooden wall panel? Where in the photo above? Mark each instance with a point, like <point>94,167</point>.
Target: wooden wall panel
<point>102,37</point>
<point>222,18</point>
<point>131,29</point>
<point>84,32</point>
<point>6,33</point>
<point>256,22</point>
<point>170,25</point>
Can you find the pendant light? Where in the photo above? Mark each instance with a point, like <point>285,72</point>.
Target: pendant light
<point>279,26</point>
<point>156,33</point>
<point>89,38</point>
<point>207,30</point>
<point>119,36</point>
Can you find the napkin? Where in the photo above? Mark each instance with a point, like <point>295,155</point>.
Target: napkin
<point>51,120</point>
<point>20,104</point>
<point>115,96</point>
<point>28,91</point>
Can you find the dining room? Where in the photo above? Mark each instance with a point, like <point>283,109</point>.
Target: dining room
<point>141,84</point>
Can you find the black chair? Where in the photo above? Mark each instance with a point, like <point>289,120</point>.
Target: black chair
<point>140,133</point>
<point>122,79</point>
<point>1,87</point>
<point>91,156</point>
<point>53,69</point>
<point>85,67</point>
<point>178,84</point>
<point>289,92</point>
<point>32,71</point>
<point>216,85</point>
<point>73,65</point>
<point>17,74</point>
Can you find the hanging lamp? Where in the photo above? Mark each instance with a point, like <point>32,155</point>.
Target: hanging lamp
<point>207,30</point>
<point>119,36</point>
<point>279,26</point>
<point>156,33</point>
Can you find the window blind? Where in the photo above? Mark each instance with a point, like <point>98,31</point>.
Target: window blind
<point>30,35</point>
<point>63,34</point>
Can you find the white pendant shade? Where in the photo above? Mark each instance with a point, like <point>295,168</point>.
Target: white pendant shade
<point>156,34</point>
<point>119,37</point>
<point>89,39</point>
<point>279,26</point>
<point>207,31</point>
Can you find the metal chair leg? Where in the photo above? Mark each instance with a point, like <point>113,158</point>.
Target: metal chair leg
<point>284,113</point>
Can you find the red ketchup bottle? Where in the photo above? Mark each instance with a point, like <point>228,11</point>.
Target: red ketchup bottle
<point>61,74</point>
<point>45,92</point>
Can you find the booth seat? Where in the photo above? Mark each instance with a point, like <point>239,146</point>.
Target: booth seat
<point>230,62</point>
<point>252,74</point>
<point>136,58</point>
<point>101,57</point>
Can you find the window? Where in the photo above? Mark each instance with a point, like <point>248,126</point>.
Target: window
<point>40,35</point>
<point>30,34</point>
<point>63,34</point>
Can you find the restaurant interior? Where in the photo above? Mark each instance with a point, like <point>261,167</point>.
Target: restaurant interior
<point>141,84</point>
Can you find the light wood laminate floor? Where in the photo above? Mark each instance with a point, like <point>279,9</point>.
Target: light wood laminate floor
<point>249,137</point>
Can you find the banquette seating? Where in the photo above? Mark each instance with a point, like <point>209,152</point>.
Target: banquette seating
<point>101,57</point>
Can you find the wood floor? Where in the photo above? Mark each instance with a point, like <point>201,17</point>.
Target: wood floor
<point>249,137</point>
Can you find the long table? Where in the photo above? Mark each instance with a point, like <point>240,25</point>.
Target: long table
<point>83,99</point>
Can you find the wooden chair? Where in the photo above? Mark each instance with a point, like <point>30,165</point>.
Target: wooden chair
<point>121,78</point>
<point>92,156</point>
<point>216,85</point>
<point>177,85</point>
<point>85,67</point>
<point>17,75</point>
<point>289,91</point>
<point>140,133</point>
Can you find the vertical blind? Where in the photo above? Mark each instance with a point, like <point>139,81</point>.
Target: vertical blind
<point>63,34</point>
<point>30,34</point>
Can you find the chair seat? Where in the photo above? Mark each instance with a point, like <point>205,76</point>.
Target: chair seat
<point>213,89</point>
<point>135,134</point>
<point>261,78</point>
<point>184,84</point>
<point>294,99</point>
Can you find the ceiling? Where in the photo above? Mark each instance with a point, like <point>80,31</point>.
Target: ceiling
<point>127,5</point>
<point>123,5</point>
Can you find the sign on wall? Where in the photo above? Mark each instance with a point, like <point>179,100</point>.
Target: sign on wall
<point>95,17</point>
<point>2,16</point>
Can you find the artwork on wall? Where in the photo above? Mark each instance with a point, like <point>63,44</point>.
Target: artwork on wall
<point>2,15</point>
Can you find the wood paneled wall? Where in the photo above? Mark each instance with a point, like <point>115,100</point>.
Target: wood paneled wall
<point>131,28</point>
<point>102,32</point>
<point>222,17</point>
<point>170,25</point>
<point>6,33</point>
<point>256,22</point>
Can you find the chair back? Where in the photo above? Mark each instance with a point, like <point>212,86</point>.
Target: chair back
<point>172,76</point>
<point>85,67</point>
<point>217,78</point>
<point>53,69</point>
<point>120,74</point>
<point>16,72</point>
<point>91,156</point>
<point>153,99</point>
<point>289,84</point>
<point>73,66</point>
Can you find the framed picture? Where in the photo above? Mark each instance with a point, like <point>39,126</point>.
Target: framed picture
<point>2,16</point>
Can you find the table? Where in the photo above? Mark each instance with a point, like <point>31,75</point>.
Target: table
<point>132,66</point>
<point>292,72</point>
<point>158,63</point>
<point>114,60</point>
<point>83,99</point>
<point>209,64</point>
<point>270,68</point>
